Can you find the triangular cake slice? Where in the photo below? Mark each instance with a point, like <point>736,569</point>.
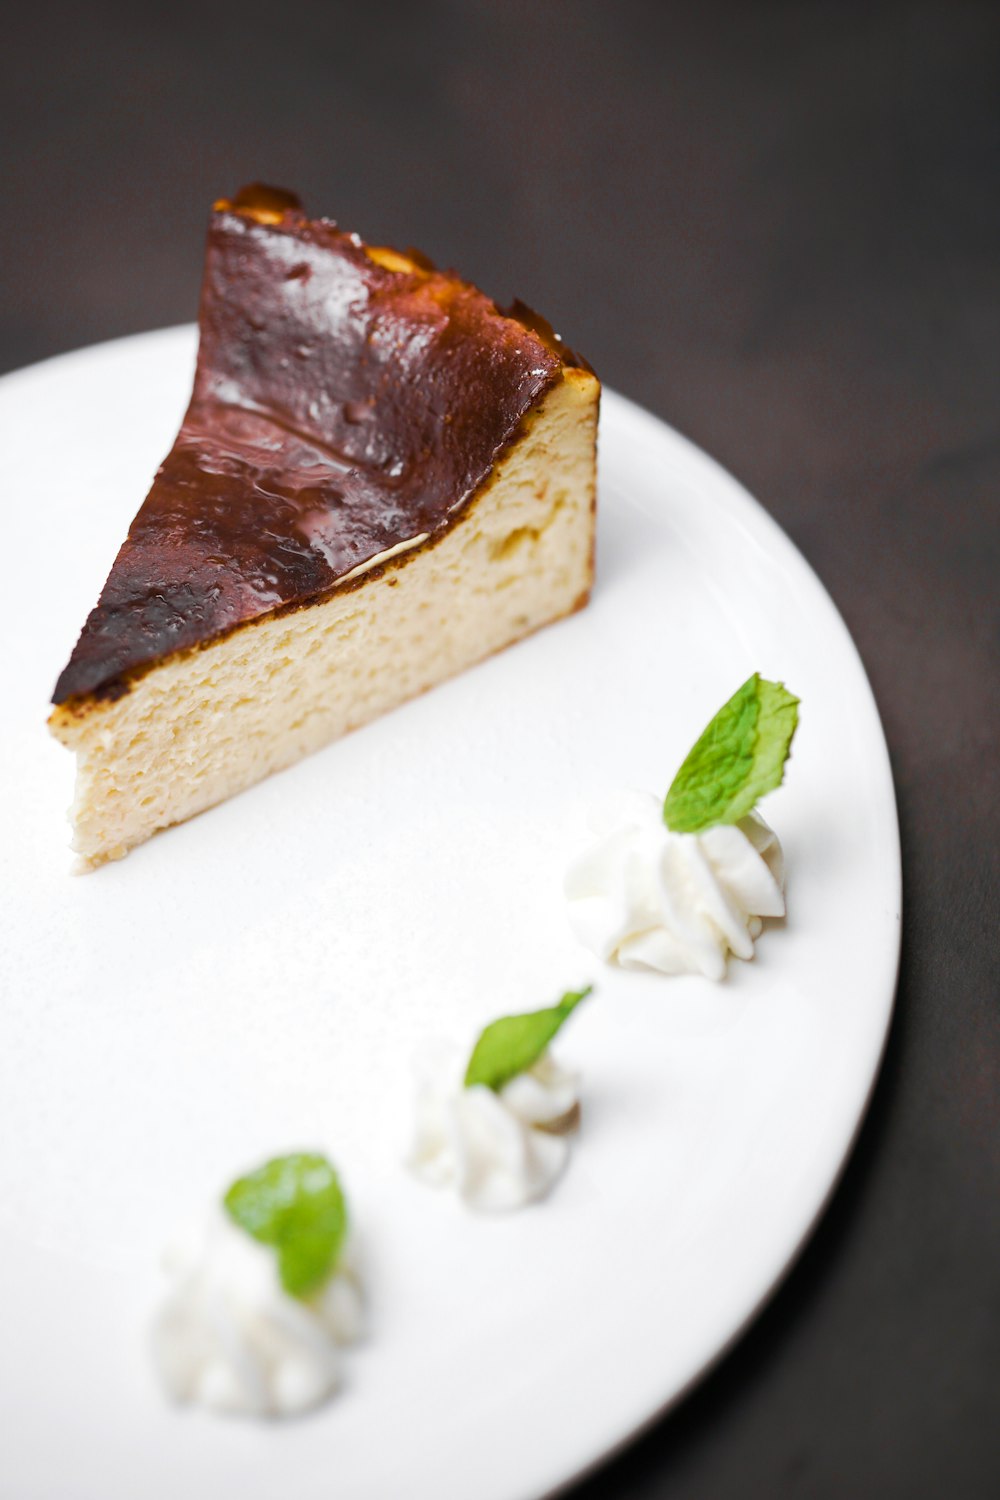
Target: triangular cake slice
<point>381,479</point>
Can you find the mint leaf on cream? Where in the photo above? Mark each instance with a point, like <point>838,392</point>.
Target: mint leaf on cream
<point>739,757</point>
<point>512,1044</point>
<point>295,1204</point>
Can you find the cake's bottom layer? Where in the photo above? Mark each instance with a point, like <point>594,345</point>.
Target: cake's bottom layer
<point>211,722</point>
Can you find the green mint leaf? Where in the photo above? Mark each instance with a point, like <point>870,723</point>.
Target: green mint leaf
<point>294,1203</point>
<point>739,758</point>
<point>509,1046</point>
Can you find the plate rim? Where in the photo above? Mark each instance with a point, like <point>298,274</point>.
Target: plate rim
<point>743,499</point>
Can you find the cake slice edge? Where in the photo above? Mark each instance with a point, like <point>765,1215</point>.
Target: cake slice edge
<point>211,721</point>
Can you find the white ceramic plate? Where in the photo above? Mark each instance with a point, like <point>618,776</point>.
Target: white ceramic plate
<point>257,981</point>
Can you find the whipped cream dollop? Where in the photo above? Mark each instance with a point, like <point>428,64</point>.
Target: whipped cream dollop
<point>229,1337</point>
<point>499,1149</point>
<point>646,898</point>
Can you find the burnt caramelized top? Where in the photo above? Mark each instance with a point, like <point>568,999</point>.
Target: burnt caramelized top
<point>345,401</point>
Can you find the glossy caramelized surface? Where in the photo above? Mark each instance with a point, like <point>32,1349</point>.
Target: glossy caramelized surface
<point>345,402</point>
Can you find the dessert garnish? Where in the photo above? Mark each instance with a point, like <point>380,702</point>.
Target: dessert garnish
<point>739,757</point>
<point>678,886</point>
<point>496,1127</point>
<point>296,1205</point>
<point>264,1294</point>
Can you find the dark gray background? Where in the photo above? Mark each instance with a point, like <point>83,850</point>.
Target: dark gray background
<point>777,226</point>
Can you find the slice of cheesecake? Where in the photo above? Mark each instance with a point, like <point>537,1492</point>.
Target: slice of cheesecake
<point>381,479</point>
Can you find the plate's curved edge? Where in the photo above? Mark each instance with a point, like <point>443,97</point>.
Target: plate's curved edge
<point>608,1454</point>
<point>759,519</point>
<point>53,363</point>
